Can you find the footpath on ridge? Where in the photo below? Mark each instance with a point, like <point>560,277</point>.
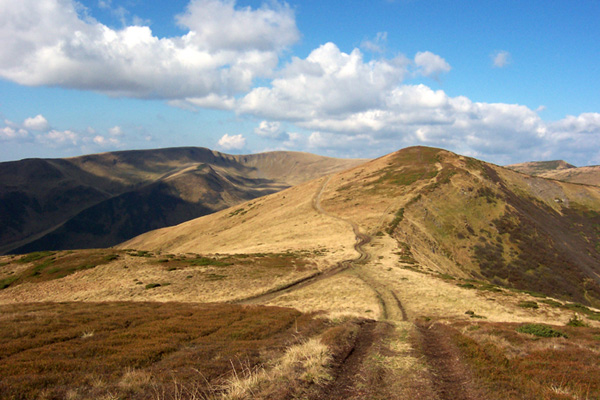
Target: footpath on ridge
<point>449,378</point>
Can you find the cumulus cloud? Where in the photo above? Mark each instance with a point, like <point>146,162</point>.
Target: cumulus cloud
<point>47,42</point>
<point>218,26</point>
<point>232,142</point>
<point>501,58</point>
<point>106,142</point>
<point>37,131</point>
<point>327,81</point>
<point>271,130</point>
<point>116,131</point>
<point>576,138</point>
<point>431,65</point>
<point>37,123</point>
<point>9,133</point>
<point>57,138</point>
<point>358,106</point>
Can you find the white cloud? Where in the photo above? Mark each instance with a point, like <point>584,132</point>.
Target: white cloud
<point>232,142</point>
<point>10,133</point>
<point>327,81</point>
<point>376,45</point>
<point>56,138</point>
<point>271,130</point>
<point>106,142</point>
<point>36,131</point>
<point>37,123</point>
<point>210,101</point>
<point>116,131</point>
<point>46,42</point>
<point>431,65</point>
<point>218,26</point>
<point>357,106</point>
<point>501,59</point>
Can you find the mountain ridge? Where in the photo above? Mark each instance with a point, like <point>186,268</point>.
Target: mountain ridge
<point>40,196</point>
<point>560,170</point>
<point>448,213</point>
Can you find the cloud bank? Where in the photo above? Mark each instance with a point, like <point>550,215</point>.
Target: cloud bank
<point>38,131</point>
<point>341,102</point>
<point>53,43</point>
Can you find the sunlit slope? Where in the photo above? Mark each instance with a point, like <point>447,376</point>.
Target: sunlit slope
<point>561,171</point>
<point>461,216</point>
<point>448,213</point>
<point>280,222</point>
<point>103,199</point>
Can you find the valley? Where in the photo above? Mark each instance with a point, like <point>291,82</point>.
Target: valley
<point>422,274</point>
<point>104,199</point>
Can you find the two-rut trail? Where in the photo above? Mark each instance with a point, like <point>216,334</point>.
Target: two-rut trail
<point>391,307</point>
<point>363,256</point>
<point>449,376</point>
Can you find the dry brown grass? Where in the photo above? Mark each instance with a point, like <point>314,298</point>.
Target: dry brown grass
<point>275,223</point>
<point>186,277</point>
<point>301,365</point>
<point>516,365</point>
<point>340,296</point>
<point>140,348</point>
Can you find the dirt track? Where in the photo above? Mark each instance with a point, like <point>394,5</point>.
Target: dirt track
<point>349,369</point>
<point>450,379</point>
<point>363,256</point>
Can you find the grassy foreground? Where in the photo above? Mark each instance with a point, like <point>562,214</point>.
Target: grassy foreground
<point>140,350</point>
<point>532,361</point>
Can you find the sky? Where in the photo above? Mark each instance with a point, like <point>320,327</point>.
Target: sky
<point>503,81</point>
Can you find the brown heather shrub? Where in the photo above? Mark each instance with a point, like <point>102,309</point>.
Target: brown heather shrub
<point>532,367</point>
<point>137,349</point>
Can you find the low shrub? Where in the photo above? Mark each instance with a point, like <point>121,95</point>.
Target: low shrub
<point>152,285</point>
<point>528,304</point>
<point>466,285</point>
<point>540,330</point>
<point>576,322</point>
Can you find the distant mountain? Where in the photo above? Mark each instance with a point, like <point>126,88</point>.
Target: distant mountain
<point>449,215</point>
<point>560,170</point>
<point>541,167</point>
<point>103,199</point>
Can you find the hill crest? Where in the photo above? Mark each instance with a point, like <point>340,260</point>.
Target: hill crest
<point>448,214</point>
<point>88,201</point>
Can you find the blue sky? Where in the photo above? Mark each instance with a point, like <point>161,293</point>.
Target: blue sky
<point>504,81</point>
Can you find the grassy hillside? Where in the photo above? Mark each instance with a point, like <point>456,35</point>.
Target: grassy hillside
<point>422,274</point>
<point>450,214</point>
<point>103,199</point>
<point>541,167</point>
<point>467,218</point>
<point>560,170</point>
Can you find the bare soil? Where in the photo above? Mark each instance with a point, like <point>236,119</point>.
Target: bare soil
<point>363,256</point>
<point>450,378</point>
<point>348,364</point>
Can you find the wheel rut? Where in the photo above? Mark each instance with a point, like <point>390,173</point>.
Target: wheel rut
<point>363,256</point>
<point>450,378</point>
<point>348,370</point>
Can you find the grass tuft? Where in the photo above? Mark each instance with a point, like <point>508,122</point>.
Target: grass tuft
<point>576,322</point>
<point>528,304</point>
<point>540,330</point>
<point>152,285</point>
